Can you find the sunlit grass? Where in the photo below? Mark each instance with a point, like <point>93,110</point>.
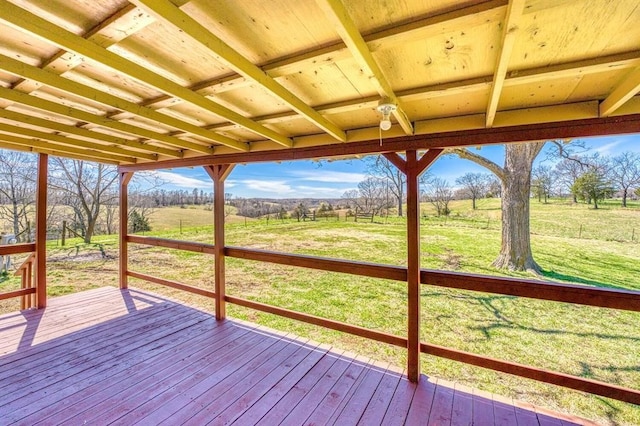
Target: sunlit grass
<point>591,342</point>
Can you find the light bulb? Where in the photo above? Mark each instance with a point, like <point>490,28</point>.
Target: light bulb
<point>385,124</point>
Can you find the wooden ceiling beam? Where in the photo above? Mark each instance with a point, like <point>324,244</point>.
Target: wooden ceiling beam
<point>509,33</point>
<point>52,151</point>
<point>76,114</point>
<point>54,137</point>
<point>418,29</point>
<point>566,70</point>
<point>62,150</point>
<point>27,22</point>
<point>79,131</point>
<point>624,91</point>
<point>46,78</point>
<point>579,68</point>
<point>346,28</point>
<point>482,136</point>
<point>125,22</point>
<point>167,11</point>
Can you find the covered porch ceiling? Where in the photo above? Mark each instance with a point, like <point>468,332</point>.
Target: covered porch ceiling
<point>137,83</point>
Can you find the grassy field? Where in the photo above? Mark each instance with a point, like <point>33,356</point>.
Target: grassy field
<point>572,243</point>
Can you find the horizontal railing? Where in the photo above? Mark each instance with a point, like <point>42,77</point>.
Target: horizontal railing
<point>541,290</point>
<point>26,270</point>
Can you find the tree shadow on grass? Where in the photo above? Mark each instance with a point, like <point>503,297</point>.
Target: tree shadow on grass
<point>503,322</point>
<point>575,280</point>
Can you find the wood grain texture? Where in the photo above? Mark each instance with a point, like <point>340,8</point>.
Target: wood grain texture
<point>142,357</point>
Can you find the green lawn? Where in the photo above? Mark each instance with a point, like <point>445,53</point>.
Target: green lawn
<point>592,342</point>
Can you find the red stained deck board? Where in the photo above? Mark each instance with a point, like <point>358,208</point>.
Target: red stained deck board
<point>462,410</point>
<point>281,409</point>
<point>144,374</point>
<point>108,355</point>
<point>338,394</point>
<point>441,410</point>
<point>194,397</point>
<point>379,403</point>
<point>317,394</point>
<point>216,399</point>
<point>422,402</point>
<point>275,383</point>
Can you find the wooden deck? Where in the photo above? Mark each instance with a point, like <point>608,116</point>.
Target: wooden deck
<point>122,357</point>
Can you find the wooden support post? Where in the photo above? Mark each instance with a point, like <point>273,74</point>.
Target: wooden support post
<point>413,167</point>
<point>413,267</point>
<point>125,177</point>
<point>219,173</point>
<point>41,231</point>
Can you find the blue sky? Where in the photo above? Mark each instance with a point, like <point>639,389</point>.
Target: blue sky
<point>330,179</point>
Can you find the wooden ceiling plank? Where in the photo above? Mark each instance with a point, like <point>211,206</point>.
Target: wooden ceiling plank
<point>509,33</point>
<point>28,22</point>
<point>53,137</point>
<point>49,79</point>
<point>41,150</point>
<point>95,155</point>
<point>624,91</point>
<point>41,122</point>
<point>167,11</point>
<point>346,28</point>
<point>125,22</point>
<point>429,26</point>
<point>582,67</point>
<point>76,114</point>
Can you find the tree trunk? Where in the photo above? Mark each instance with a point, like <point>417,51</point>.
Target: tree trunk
<point>515,252</point>
<point>473,202</point>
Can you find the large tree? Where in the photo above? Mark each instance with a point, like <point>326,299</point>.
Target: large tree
<point>87,187</point>
<point>515,179</point>
<point>17,191</point>
<point>380,167</point>
<point>625,173</point>
<point>474,185</point>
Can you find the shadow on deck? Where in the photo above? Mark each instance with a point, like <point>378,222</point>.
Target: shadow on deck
<point>110,356</point>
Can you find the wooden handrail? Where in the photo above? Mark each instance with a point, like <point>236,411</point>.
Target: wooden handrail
<point>569,293</point>
<point>25,271</point>
<point>17,248</point>
<point>566,380</point>
<point>172,244</point>
<point>544,290</point>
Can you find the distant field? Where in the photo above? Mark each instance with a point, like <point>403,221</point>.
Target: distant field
<point>597,343</point>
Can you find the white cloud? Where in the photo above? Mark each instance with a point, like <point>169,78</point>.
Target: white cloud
<point>181,181</point>
<point>319,192</point>
<point>608,148</point>
<point>274,186</point>
<point>329,176</point>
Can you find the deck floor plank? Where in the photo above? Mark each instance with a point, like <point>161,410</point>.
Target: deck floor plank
<point>144,374</point>
<point>107,356</point>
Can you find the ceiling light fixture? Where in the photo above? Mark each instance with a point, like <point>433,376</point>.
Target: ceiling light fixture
<point>386,108</point>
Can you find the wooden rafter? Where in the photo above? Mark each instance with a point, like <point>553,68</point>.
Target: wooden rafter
<point>50,149</point>
<point>466,87</point>
<point>54,137</point>
<point>122,24</point>
<point>52,107</point>
<point>418,29</point>
<point>167,11</point>
<point>624,91</point>
<point>28,22</point>
<point>52,80</point>
<point>346,28</point>
<point>44,145</point>
<point>509,33</point>
<point>79,131</point>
